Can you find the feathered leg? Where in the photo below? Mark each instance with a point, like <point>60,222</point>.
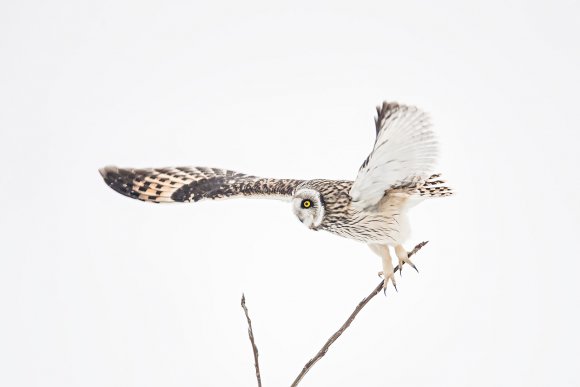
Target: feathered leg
<point>388,272</point>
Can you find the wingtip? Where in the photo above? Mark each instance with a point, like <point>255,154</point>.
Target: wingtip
<point>105,171</point>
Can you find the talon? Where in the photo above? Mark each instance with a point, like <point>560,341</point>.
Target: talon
<point>408,262</point>
<point>385,287</point>
<point>404,258</point>
<point>388,277</point>
<point>414,267</point>
<point>387,274</point>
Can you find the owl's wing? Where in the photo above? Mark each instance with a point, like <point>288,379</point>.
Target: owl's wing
<point>404,152</point>
<point>191,184</point>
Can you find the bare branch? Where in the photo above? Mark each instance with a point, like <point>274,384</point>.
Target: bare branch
<point>344,326</point>
<point>251,335</point>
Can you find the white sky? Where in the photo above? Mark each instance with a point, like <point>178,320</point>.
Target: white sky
<point>100,290</point>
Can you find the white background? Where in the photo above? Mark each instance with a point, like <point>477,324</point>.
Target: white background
<point>100,290</point>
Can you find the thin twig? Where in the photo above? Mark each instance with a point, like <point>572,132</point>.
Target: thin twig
<point>344,326</point>
<point>251,335</point>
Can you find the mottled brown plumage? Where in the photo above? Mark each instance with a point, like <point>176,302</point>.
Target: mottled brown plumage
<point>192,184</point>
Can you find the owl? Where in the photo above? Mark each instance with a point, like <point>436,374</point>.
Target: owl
<point>396,175</point>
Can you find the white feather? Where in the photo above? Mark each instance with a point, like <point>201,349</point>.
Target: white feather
<point>405,150</point>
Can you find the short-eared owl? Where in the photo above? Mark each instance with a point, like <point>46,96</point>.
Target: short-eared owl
<point>373,209</point>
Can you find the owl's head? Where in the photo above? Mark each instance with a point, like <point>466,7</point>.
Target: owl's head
<point>308,206</point>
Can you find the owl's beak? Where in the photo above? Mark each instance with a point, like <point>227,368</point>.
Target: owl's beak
<point>309,222</point>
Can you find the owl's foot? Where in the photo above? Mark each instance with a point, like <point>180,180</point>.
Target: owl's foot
<point>388,271</point>
<point>387,278</point>
<point>403,257</point>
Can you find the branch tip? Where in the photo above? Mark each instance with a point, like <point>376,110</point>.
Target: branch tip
<point>252,341</point>
<point>347,323</point>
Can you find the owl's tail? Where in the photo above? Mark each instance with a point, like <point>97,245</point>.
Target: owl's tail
<point>434,187</point>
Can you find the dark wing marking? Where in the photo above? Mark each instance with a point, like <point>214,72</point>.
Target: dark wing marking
<point>191,184</point>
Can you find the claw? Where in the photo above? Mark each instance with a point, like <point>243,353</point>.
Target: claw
<point>385,288</point>
<point>404,258</point>
<point>414,267</point>
<point>408,262</point>
<point>387,274</point>
<point>386,279</point>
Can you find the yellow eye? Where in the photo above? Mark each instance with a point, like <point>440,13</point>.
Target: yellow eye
<point>306,203</point>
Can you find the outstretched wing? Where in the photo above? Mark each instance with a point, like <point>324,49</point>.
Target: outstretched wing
<point>404,153</point>
<point>191,184</point>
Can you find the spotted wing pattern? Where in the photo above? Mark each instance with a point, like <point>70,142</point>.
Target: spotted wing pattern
<point>403,155</point>
<point>191,184</point>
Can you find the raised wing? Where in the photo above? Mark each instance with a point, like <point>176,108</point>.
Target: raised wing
<point>404,153</point>
<point>191,184</point>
